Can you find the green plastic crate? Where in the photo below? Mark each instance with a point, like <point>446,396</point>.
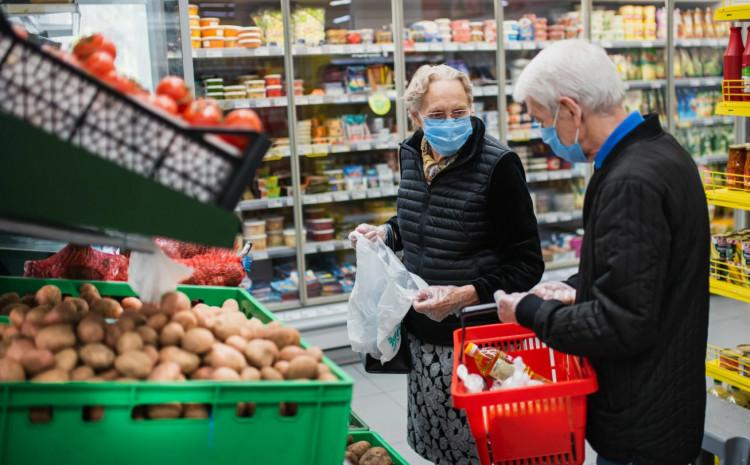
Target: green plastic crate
<point>356,423</point>
<point>310,437</point>
<point>374,438</point>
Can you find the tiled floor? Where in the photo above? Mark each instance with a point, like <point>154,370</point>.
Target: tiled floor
<point>380,400</point>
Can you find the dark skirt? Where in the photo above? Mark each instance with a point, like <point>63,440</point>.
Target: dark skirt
<point>436,430</point>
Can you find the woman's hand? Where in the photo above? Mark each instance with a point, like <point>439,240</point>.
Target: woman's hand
<point>506,305</point>
<point>369,231</point>
<point>438,302</point>
<point>555,290</point>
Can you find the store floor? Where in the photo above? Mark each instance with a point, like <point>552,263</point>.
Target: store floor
<point>380,400</point>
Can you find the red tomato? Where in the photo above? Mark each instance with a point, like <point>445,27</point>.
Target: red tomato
<point>120,83</point>
<point>109,47</point>
<point>242,119</point>
<point>88,45</point>
<point>164,103</point>
<point>100,64</point>
<point>176,89</point>
<point>203,112</point>
<point>20,31</point>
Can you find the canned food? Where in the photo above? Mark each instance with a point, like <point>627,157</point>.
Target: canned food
<point>729,359</point>
<point>719,256</point>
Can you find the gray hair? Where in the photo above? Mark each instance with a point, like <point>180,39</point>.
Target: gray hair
<point>572,68</point>
<point>420,83</point>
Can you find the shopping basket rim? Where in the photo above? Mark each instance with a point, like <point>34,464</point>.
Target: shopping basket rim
<point>586,385</point>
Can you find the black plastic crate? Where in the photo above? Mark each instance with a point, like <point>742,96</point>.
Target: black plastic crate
<point>63,100</point>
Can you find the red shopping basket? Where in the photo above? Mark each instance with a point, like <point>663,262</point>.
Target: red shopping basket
<point>530,425</point>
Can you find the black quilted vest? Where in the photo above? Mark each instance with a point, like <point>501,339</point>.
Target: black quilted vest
<point>445,227</point>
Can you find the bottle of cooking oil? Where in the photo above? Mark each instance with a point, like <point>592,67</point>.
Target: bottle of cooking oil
<point>495,363</point>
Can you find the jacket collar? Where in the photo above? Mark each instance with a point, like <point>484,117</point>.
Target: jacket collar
<point>650,127</point>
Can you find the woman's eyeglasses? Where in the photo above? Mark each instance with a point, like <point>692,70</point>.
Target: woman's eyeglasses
<point>455,114</point>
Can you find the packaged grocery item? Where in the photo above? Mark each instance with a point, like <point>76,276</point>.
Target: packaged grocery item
<point>230,30</point>
<point>260,242</point>
<point>336,36</point>
<point>495,363</point>
<point>205,22</point>
<point>733,91</point>
<point>719,256</point>
<point>729,359</point>
<point>736,166</point>
<point>257,84</point>
<point>275,239</point>
<point>256,93</point>
<point>230,42</point>
<point>195,32</point>
<point>356,79</point>
<point>323,235</point>
<point>79,262</point>
<point>213,42</point>
<point>235,95</point>
<point>368,36</point>
<point>290,238</point>
<point>744,361</point>
<point>322,224</point>
<point>315,213</point>
<point>249,43</point>
<point>474,383</point>
<point>254,227</point>
<point>274,91</point>
<point>275,223</point>
<point>309,26</point>
<point>272,24</point>
<point>273,79</point>
<point>194,21</point>
<point>212,31</point>
<point>193,10</point>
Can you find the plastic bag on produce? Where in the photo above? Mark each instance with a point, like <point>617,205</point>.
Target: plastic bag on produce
<point>218,268</point>
<point>152,274</point>
<point>382,295</point>
<point>79,262</point>
<point>179,249</point>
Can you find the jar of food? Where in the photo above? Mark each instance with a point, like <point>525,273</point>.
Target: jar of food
<point>230,42</point>
<point>323,235</point>
<point>194,21</point>
<point>729,359</point>
<point>322,224</point>
<point>213,42</point>
<point>235,95</point>
<point>256,93</point>
<point>258,84</point>
<point>231,30</point>
<point>249,43</point>
<point>273,79</point>
<point>215,95</point>
<point>353,37</point>
<point>196,42</point>
<point>275,223</point>
<point>254,227</point>
<point>249,35</point>
<point>736,166</point>
<point>274,91</point>
<point>290,238</point>
<point>275,239</point>
<point>260,242</point>
<point>212,31</point>
<point>316,213</point>
<point>237,88</point>
<point>193,10</point>
<point>252,29</point>
<point>195,32</point>
<point>205,22</point>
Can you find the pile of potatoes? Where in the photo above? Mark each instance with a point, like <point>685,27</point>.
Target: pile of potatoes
<point>363,453</point>
<point>91,338</point>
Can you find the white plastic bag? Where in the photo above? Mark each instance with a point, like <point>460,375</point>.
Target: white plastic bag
<point>152,274</point>
<point>382,295</point>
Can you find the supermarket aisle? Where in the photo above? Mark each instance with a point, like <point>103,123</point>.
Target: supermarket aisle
<point>380,400</point>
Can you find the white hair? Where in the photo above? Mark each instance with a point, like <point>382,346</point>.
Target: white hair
<point>571,68</point>
<point>420,83</point>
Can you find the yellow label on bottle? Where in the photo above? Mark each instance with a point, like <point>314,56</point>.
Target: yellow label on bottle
<point>501,370</point>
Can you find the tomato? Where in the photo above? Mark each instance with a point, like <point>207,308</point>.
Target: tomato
<point>163,103</point>
<point>203,112</point>
<point>100,64</point>
<point>176,89</point>
<point>20,31</point>
<point>120,82</point>
<point>109,47</point>
<point>242,119</point>
<point>86,46</point>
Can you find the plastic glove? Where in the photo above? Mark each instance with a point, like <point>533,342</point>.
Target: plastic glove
<point>506,305</point>
<point>370,232</point>
<point>555,290</point>
<point>437,302</point>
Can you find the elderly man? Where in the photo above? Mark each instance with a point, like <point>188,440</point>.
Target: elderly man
<point>640,312</point>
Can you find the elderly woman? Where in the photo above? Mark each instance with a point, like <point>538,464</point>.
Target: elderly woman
<point>466,225</point>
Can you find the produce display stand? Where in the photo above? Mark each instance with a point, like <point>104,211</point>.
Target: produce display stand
<point>309,436</point>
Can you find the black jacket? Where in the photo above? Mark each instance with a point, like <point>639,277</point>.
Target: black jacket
<point>474,224</point>
<point>641,314</point>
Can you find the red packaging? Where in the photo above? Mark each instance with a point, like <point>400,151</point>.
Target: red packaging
<point>80,262</point>
<point>214,269</point>
<point>733,66</point>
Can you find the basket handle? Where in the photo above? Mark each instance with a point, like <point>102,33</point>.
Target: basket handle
<point>470,312</point>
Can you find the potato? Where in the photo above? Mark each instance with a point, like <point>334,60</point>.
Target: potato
<point>359,448</point>
<point>112,334</point>
<point>148,335</point>
<point>158,321</point>
<point>270,374</point>
<point>132,303</point>
<point>89,288</point>
<point>66,359</point>
<point>82,373</point>
<point>30,329</point>
<point>11,370</point>
<point>283,336</point>
<point>82,307</point>
<point>316,353</point>
<point>250,374</point>
<point>64,312</point>
<point>187,361</point>
<point>93,413</point>
<point>97,356</point>
<point>52,376</point>
<point>40,414</point>
<point>225,374</point>
<point>205,315</point>
<point>168,371</point>
<point>196,411</point>
<point>302,367</point>
<point>10,333</point>
<point>350,458</point>
<point>327,377</point>
<point>149,309</point>
<point>174,302</point>
<point>261,353</point>
<point>202,373</point>
<point>253,329</point>
<point>36,315</point>
<point>230,305</point>
<point>18,347</point>
<point>109,375</point>
<point>323,368</point>
<point>198,340</point>
<point>129,341</point>
<point>37,360</point>
<point>229,324</point>
<point>165,411</point>
<point>18,314</point>
<point>109,308</point>
<point>48,295</point>
<point>130,320</point>
<point>8,299</point>
<point>91,329</point>
<point>90,298</point>
<point>55,337</point>
<point>376,456</point>
<point>172,334</point>
<point>186,318</point>
<point>222,355</point>
<point>134,364</point>
<point>152,353</point>
<point>288,353</point>
<point>237,342</point>
<point>282,366</point>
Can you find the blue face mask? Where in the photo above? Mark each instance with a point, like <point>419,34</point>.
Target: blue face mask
<point>448,135</point>
<point>570,153</point>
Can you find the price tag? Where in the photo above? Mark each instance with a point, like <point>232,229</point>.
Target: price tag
<point>647,44</point>
<point>343,98</point>
<point>263,103</point>
<point>214,53</point>
<point>695,82</point>
<point>275,50</point>
<point>566,217</point>
<point>278,102</point>
<point>356,48</point>
<point>328,247</point>
<point>262,52</point>
<point>384,146</point>
<point>485,46</point>
<point>310,248</point>
<point>260,255</point>
<point>325,198</point>
<point>276,203</point>
<point>358,98</point>
<point>359,195</point>
<point>374,193</point>
<point>329,49</point>
<point>338,148</point>
<point>341,196</point>
<point>304,149</point>
<point>316,99</point>
<point>286,151</point>
<point>556,175</point>
<point>436,47</point>
<point>372,48</point>
<point>362,146</point>
<point>329,99</point>
<point>656,85</point>
<point>607,44</point>
<point>320,148</point>
<point>338,49</point>
<point>310,199</point>
<point>470,46</point>
<point>300,50</point>
<point>451,46</point>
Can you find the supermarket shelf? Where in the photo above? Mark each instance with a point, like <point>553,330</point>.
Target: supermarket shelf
<point>262,204</point>
<point>711,159</point>
<point>724,197</point>
<point>38,8</point>
<point>281,306</point>
<point>719,370</point>
<point>449,47</point>
<point>729,290</point>
<point>485,91</point>
<point>559,217</point>
<point>16,243</point>
<point>703,122</point>
<point>329,299</point>
<point>344,99</point>
<point>681,82</point>
<point>327,246</point>
<point>553,175</point>
<point>323,150</point>
<point>614,44</point>
<point>275,102</point>
<point>269,51</point>
<point>524,135</point>
<point>298,50</point>
<point>273,252</point>
<point>733,108</point>
<point>342,49</point>
<point>561,265</point>
<point>653,84</point>
<point>346,196</point>
<point>740,12</point>
<point>701,42</point>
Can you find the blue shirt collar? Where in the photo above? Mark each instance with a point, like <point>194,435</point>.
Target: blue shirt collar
<point>626,127</point>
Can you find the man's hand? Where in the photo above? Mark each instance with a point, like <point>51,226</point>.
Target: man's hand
<point>506,305</point>
<point>438,302</point>
<point>555,290</point>
<point>369,231</point>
